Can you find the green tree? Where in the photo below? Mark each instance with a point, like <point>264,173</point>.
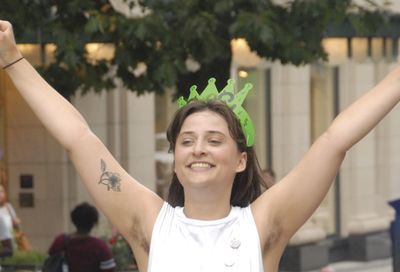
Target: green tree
<point>174,31</point>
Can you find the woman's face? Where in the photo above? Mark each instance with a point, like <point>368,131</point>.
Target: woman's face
<point>205,153</point>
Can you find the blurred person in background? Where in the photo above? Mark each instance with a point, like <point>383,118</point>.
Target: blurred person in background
<point>84,252</point>
<point>8,216</point>
<point>6,248</point>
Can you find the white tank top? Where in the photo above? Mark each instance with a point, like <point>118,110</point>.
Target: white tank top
<point>181,244</point>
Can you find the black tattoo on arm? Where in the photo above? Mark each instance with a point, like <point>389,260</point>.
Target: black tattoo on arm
<point>110,179</point>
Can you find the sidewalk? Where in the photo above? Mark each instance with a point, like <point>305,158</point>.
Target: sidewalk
<point>350,266</point>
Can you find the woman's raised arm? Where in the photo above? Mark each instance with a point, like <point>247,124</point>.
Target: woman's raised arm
<point>130,206</point>
<point>291,201</point>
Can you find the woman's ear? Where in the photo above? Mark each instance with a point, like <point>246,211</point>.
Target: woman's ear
<point>242,163</point>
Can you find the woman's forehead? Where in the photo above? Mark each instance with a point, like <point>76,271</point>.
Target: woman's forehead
<point>205,120</point>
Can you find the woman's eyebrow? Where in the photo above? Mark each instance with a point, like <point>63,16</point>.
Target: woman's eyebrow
<point>211,132</point>
<point>186,133</point>
<point>216,132</point>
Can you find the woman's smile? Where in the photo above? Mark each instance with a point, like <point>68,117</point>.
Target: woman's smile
<point>200,166</point>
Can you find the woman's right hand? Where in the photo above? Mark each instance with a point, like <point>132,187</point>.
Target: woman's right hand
<point>8,48</point>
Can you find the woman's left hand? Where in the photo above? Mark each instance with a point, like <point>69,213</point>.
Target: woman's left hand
<point>8,48</point>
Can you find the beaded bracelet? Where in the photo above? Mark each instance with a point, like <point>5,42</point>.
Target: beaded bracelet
<point>14,62</point>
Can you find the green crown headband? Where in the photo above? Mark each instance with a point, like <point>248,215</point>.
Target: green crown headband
<point>227,95</point>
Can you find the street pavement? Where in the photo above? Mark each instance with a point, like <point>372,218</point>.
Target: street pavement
<point>351,266</point>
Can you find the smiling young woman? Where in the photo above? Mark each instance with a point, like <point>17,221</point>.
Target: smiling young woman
<point>215,218</point>
<point>247,179</point>
<point>207,160</point>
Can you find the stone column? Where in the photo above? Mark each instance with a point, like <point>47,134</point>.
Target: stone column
<point>359,175</point>
<point>291,129</point>
<point>291,140</point>
<point>388,157</point>
<point>124,122</point>
<point>139,140</point>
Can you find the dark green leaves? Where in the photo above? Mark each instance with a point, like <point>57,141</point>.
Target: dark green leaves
<point>173,32</point>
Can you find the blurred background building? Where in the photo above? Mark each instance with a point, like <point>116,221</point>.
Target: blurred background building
<point>290,106</point>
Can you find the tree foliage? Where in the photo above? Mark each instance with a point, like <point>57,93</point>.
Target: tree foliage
<point>173,33</point>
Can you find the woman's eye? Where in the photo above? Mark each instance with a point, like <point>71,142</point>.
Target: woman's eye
<point>186,142</point>
<point>215,142</point>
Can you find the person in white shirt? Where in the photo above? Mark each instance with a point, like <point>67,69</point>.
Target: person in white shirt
<point>6,248</point>
<point>7,217</point>
<point>7,212</point>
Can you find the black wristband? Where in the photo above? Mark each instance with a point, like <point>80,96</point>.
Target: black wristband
<point>14,62</point>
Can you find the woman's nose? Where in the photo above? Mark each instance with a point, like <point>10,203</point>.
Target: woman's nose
<point>199,148</point>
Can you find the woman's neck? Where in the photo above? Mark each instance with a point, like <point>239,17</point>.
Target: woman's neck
<point>206,213</point>
<point>206,206</point>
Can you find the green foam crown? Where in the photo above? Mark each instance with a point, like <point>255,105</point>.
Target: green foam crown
<point>232,99</point>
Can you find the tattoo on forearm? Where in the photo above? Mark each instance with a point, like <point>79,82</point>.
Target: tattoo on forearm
<point>110,179</point>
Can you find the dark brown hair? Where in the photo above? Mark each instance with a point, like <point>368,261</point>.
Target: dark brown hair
<point>247,184</point>
<point>84,216</point>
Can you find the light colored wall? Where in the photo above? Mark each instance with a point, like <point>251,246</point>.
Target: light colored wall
<point>359,173</point>
<point>369,178</point>
<point>395,5</point>
<point>369,174</point>
<point>123,121</point>
<point>31,150</point>
<point>290,115</point>
<point>291,130</point>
